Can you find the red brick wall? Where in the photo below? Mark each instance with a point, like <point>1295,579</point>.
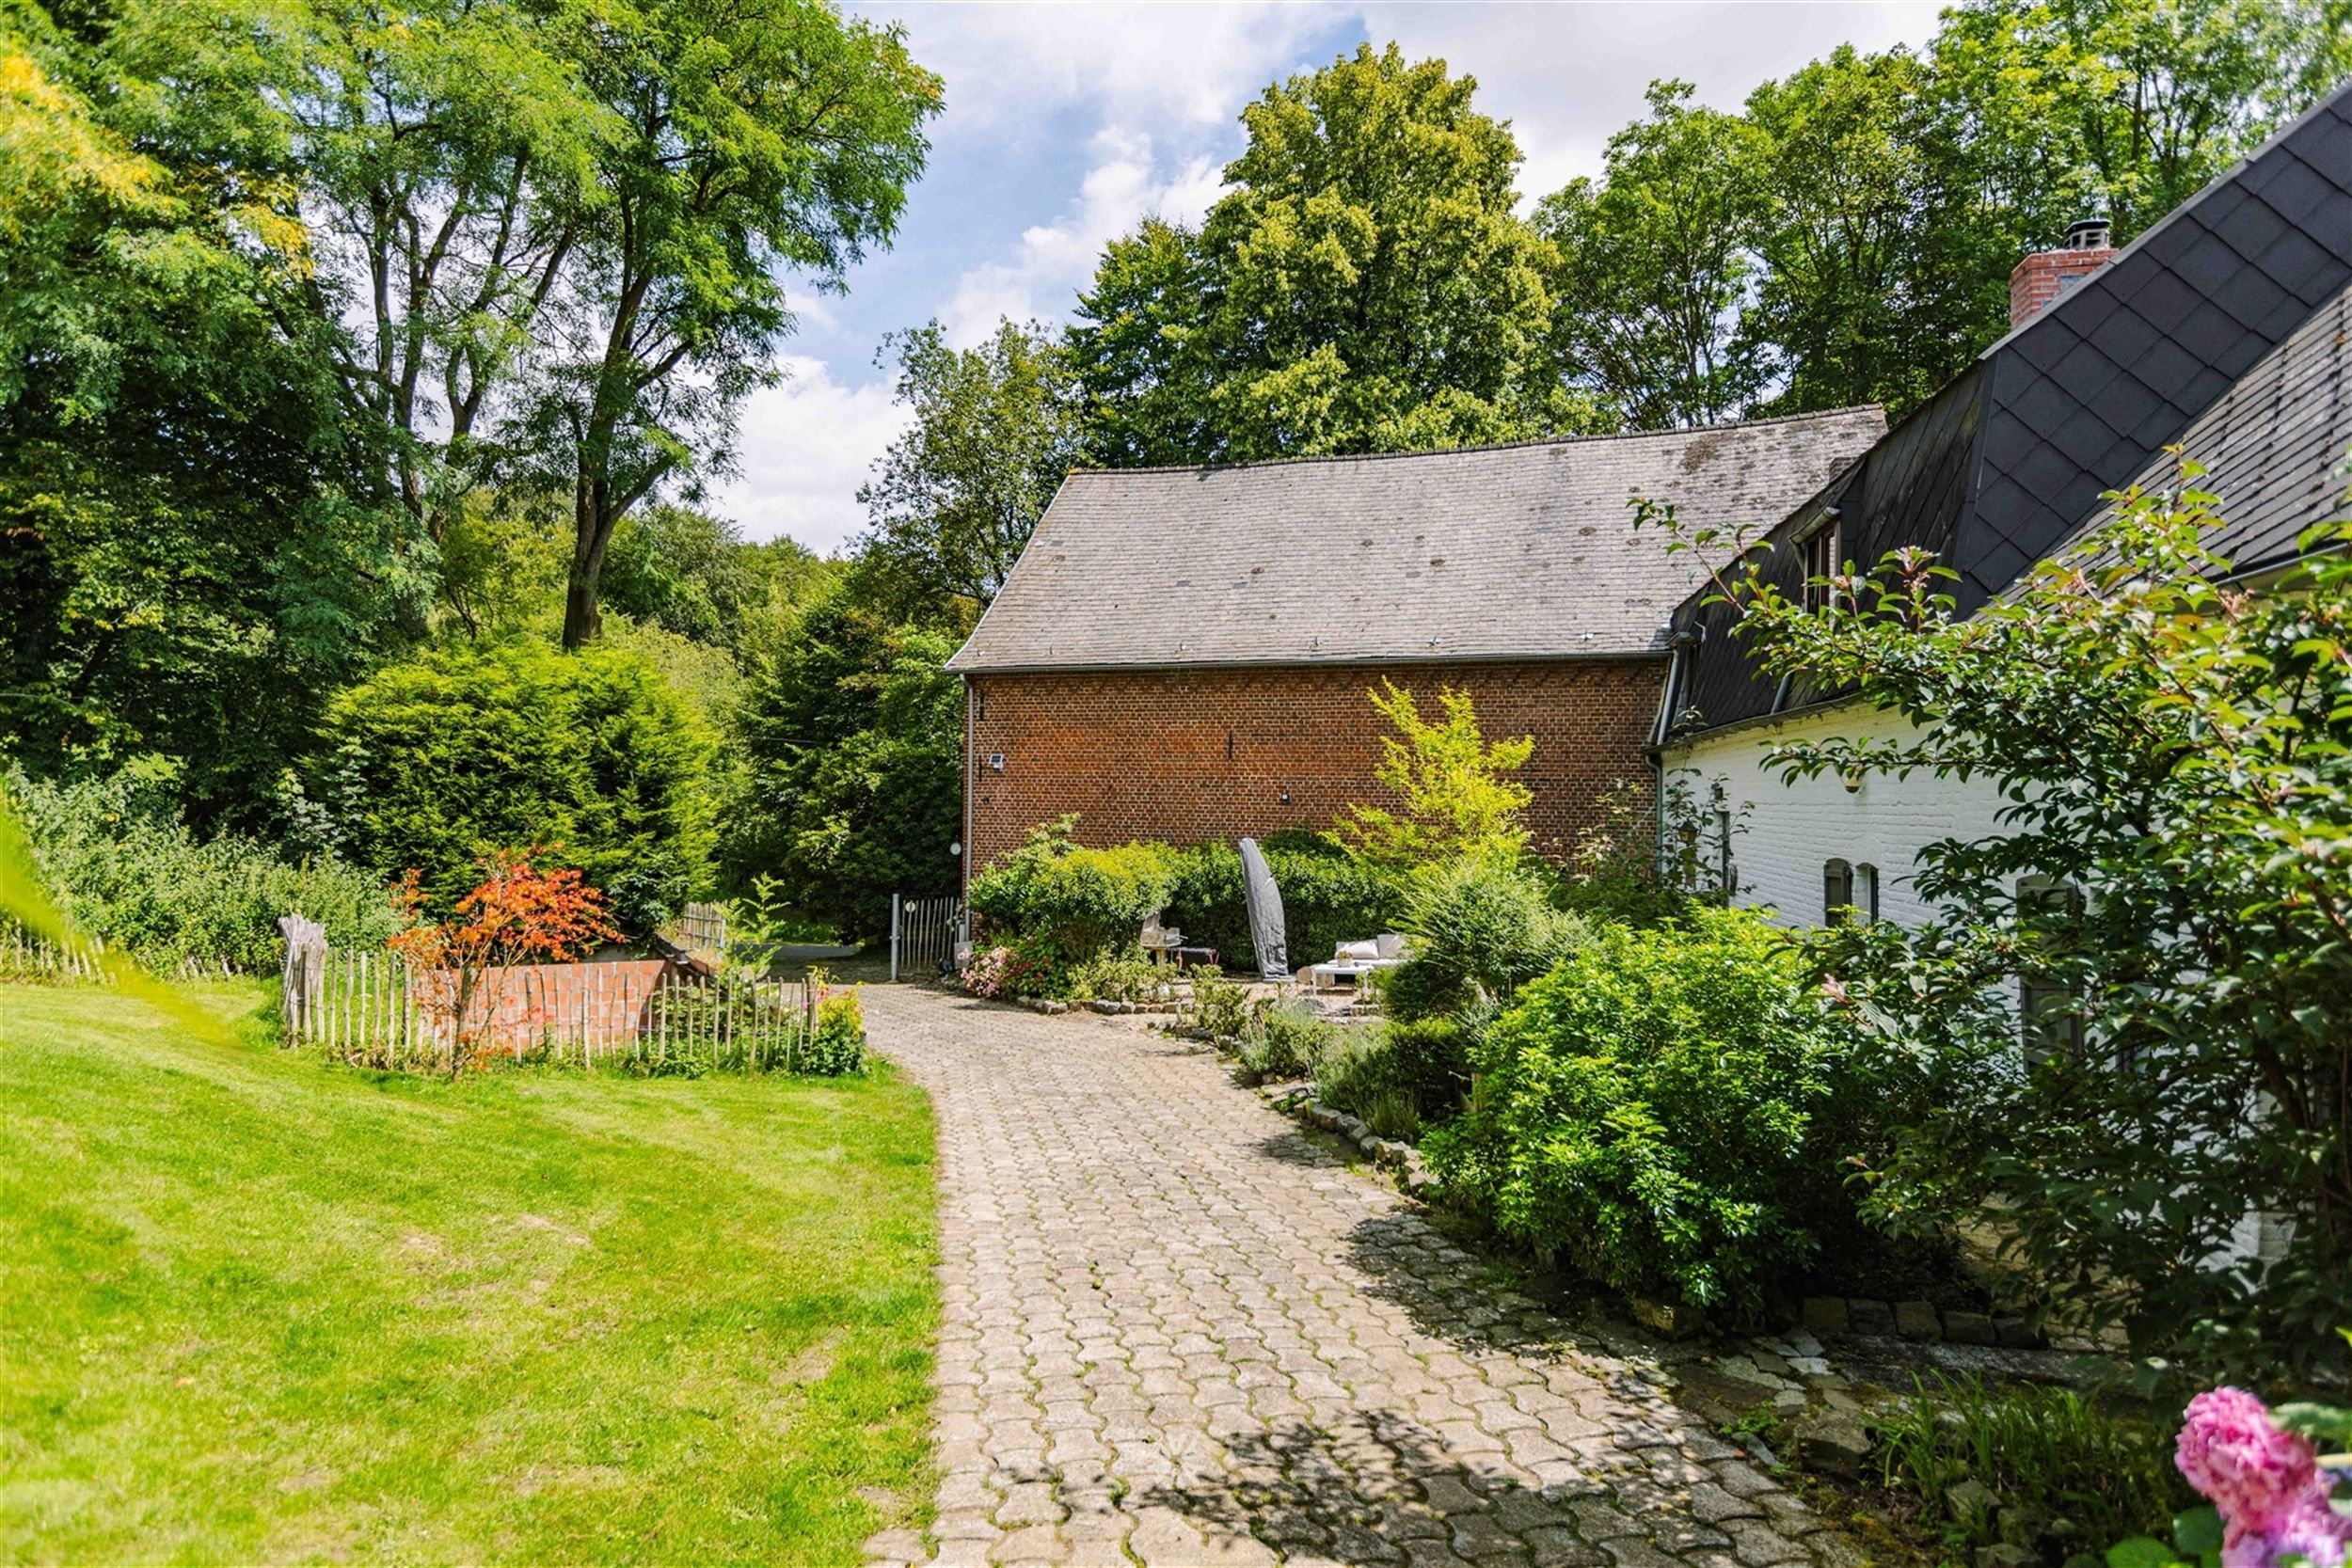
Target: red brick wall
<point>2041,277</point>
<point>1191,755</point>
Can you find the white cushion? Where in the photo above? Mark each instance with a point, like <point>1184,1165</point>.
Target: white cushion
<point>1349,951</point>
<point>1390,944</point>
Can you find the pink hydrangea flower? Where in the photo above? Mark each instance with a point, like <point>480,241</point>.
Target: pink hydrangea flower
<point>2315,1532</point>
<point>2265,1483</point>
<point>2232,1451</point>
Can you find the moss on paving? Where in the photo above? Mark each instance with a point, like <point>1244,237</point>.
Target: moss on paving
<point>258,1307</point>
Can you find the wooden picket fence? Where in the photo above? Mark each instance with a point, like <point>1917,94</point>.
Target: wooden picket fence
<point>701,928</point>
<point>26,958</point>
<point>375,1009</point>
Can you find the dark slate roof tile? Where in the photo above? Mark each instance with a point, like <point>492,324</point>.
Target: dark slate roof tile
<point>2164,299</point>
<point>2124,336</point>
<point>1524,552</point>
<point>2275,449</point>
<point>2207,329</point>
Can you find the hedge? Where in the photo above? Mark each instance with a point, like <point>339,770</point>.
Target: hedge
<point>1084,900</point>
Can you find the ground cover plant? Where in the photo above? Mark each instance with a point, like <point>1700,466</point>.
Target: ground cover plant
<point>2071,1473</point>
<point>263,1308</point>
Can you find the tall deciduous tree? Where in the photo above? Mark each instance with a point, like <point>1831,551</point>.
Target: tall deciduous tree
<point>1654,264</point>
<point>756,138</point>
<point>194,546</point>
<point>1362,285</point>
<point>446,153</point>
<point>2123,108</point>
<point>1876,281</point>
<point>995,430</point>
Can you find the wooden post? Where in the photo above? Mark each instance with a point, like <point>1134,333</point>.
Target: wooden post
<point>306,957</point>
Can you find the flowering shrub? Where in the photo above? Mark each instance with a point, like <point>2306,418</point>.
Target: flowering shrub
<point>1027,966</point>
<point>2271,1489</point>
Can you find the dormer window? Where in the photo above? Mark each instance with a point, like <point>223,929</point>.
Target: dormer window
<point>1820,553</point>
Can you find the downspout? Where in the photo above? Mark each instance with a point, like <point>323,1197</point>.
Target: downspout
<point>1679,651</point>
<point>964,868</point>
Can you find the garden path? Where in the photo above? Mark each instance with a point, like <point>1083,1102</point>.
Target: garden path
<point>1178,1330</point>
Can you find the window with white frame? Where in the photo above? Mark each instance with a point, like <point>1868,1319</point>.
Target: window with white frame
<point>1818,553</point>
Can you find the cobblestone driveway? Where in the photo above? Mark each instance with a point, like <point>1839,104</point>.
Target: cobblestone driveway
<point>1177,1331</point>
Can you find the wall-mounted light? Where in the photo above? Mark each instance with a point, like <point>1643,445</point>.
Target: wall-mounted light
<point>1285,797</point>
<point>956,849</point>
<point>995,761</point>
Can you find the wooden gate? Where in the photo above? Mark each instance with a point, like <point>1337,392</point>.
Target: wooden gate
<point>923,934</point>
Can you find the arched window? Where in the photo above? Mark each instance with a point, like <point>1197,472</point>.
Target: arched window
<point>1865,891</point>
<point>1836,893</point>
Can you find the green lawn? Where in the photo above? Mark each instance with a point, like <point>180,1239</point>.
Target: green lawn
<point>260,1307</point>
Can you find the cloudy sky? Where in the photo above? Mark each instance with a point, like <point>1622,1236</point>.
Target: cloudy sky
<point>1066,123</point>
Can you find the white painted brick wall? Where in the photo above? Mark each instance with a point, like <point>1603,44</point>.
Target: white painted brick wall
<point>1793,829</point>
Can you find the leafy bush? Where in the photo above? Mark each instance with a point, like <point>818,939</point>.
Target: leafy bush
<point>1431,1062</point>
<point>836,1045</point>
<point>1115,976</point>
<point>1481,929</point>
<point>1647,1109</point>
<point>1221,1008</point>
<point>469,750</point>
<point>1361,1072</point>
<point>1285,1042</point>
<point>2048,1454</point>
<point>1326,898</point>
<point>1080,900</point>
<point>2169,884</point>
<point>124,868</point>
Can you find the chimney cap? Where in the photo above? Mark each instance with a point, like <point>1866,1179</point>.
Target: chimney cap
<point>2089,234</point>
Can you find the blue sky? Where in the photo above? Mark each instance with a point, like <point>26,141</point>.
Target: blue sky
<point>1066,123</point>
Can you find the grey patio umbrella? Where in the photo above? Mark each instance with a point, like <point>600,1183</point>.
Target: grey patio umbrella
<point>1266,914</point>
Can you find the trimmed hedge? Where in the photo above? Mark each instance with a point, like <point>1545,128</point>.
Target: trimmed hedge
<point>1328,898</point>
<point>1087,900</point>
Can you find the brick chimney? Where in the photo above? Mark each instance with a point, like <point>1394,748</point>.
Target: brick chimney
<point>2047,273</point>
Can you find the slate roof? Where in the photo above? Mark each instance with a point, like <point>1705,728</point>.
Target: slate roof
<point>2010,459</point>
<point>1524,552</point>
<point>2275,448</point>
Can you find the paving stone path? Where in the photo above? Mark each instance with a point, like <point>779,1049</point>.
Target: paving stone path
<point>1180,1331</point>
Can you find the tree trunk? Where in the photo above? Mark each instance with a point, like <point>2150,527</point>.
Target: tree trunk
<point>592,528</point>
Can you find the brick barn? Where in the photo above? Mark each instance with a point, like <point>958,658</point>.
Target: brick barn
<point>1184,653</point>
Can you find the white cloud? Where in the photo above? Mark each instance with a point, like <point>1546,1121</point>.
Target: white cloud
<point>1569,76</point>
<point>1009,67</point>
<point>1126,183</point>
<point>805,447</point>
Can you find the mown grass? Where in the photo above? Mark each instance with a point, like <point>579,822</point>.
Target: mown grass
<point>257,1307</point>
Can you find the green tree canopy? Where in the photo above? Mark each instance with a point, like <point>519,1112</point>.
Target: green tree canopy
<point>1652,264</point>
<point>995,430</point>
<point>1362,285</point>
<point>195,545</point>
<point>854,738</point>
